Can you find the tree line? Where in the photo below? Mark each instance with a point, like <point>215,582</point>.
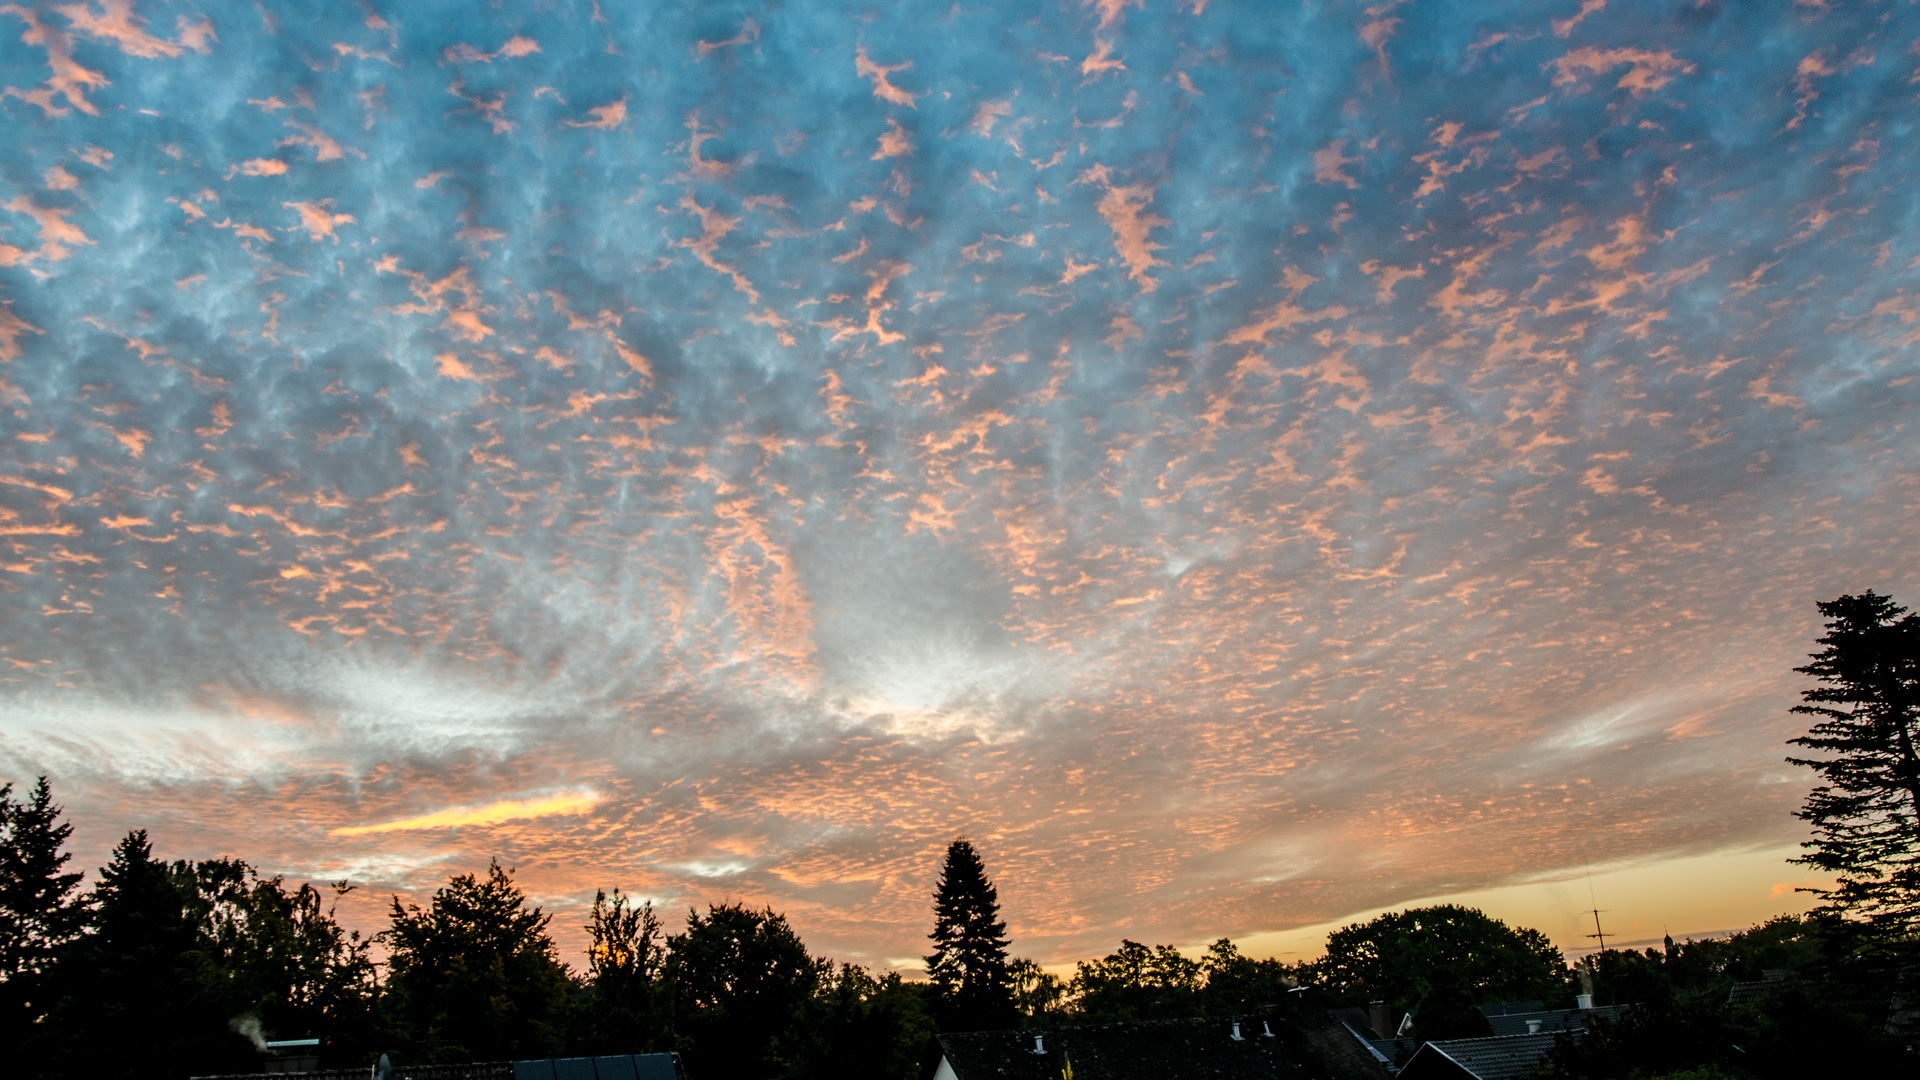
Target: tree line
<point>182,967</point>
<point>179,968</point>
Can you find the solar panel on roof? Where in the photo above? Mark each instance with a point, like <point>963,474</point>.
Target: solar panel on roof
<point>655,1067</point>
<point>536,1069</point>
<point>573,1069</point>
<point>615,1067</point>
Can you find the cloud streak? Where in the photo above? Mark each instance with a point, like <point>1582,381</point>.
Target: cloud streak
<point>495,813</point>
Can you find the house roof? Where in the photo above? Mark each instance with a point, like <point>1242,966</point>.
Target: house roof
<point>614,1067</point>
<point>1360,1026</point>
<point>1503,1057</point>
<point>1551,1020</point>
<point>1201,1049</point>
<point>1771,979</point>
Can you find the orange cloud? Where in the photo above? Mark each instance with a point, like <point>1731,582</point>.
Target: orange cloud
<point>714,226</point>
<point>1283,317</point>
<point>1113,11</point>
<point>515,48</point>
<point>1330,168</point>
<point>986,114</point>
<point>894,142</point>
<point>55,232</point>
<point>883,87</point>
<point>604,117</point>
<point>1390,276</point>
<point>1648,70</point>
<point>69,79</point>
<point>317,220</point>
<point>1376,34</point>
<point>262,167</point>
<point>325,147</point>
<point>495,813</point>
<point>450,366</point>
<point>11,327</point>
<point>1100,60</point>
<point>749,33</point>
<point>1122,208</point>
<point>1563,27</point>
<point>117,23</point>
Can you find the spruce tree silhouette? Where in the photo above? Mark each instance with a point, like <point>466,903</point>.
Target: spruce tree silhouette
<point>39,911</point>
<point>969,962</point>
<point>1866,811</point>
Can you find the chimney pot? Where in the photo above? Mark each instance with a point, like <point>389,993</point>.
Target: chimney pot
<point>1236,1036</point>
<point>1039,1046</point>
<point>1582,1001</point>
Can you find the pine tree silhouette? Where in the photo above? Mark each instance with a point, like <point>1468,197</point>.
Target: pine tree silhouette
<point>969,962</point>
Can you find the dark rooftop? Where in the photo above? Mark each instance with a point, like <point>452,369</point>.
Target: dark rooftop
<point>1509,1057</point>
<point>1551,1020</point>
<point>1202,1049</point>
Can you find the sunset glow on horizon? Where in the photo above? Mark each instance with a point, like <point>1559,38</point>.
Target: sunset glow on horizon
<point>1244,466</point>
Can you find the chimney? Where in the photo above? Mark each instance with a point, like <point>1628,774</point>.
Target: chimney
<point>1039,1045</point>
<point>1533,1027</point>
<point>1582,1002</point>
<point>1236,1036</point>
<point>1380,1019</point>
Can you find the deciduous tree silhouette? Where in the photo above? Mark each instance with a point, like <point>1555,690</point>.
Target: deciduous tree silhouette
<point>969,962</point>
<point>742,981</point>
<point>474,976</point>
<point>1866,812</point>
<point>628,1011</point>
<point>1404,956</point>
<point>1137,983</point>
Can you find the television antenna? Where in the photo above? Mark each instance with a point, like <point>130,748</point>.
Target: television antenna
<point>1595,912</point>
<point>1597,932</point>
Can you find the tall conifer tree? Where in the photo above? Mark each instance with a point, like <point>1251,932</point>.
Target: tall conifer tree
<point>969,962</point>
<point>39,912</point>
<point>1866,812</point>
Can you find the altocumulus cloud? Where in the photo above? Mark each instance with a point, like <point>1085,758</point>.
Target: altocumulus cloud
<point>727,452</point>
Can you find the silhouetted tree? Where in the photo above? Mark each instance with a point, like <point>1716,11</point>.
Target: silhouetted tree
<point>1866,811</point>
<point>39,910</point>
<point>1137,983</point>
<point>474,976</point>
<point>741,983</point>
<point>1038,995</point>
<point>140,978</point>
<point>969,962</point>
<point>1449,1010</point>
<point>1238,984</point>
<point>278,957</point>
<point>1398,956</point>
<point>859,1027</point>
<point>628,1008</point>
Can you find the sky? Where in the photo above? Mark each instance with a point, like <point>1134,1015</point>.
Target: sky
<point>1243,465</point>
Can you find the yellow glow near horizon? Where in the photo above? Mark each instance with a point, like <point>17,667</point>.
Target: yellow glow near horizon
<point>1698,896</point>
<point>495,813</point>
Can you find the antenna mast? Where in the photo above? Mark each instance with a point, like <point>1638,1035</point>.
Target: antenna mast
<point>1597,932</point>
